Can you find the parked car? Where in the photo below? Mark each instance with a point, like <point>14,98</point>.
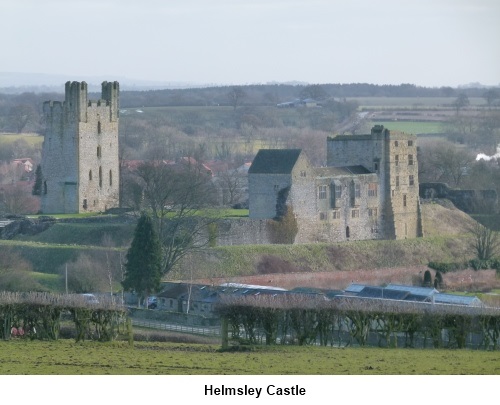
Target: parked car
<point>152,302</point>
<point>90,299</point>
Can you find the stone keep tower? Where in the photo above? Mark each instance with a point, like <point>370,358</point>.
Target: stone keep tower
<point>80,165</point>
<point>393,156</point>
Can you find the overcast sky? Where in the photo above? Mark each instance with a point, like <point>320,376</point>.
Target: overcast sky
<point>424,42</point>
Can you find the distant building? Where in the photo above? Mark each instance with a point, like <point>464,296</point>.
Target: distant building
<point>80,165</point>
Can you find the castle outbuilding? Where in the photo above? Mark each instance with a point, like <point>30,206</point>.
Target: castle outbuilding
<point>80,165</point>
<point>369,189</point>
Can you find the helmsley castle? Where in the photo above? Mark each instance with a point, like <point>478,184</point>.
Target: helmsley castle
<point>368,190</point>
<point>80,166</point>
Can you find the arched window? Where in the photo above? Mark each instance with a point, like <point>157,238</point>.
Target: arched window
<point>100,176</point>
<point>90,174</point>
<point>110,178</point>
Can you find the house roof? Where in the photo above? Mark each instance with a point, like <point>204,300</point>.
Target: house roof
<point>380,292</point>
<point>453,299</point>
<point>341,171</point>
<point>274,161</point>
<point>422,291</point>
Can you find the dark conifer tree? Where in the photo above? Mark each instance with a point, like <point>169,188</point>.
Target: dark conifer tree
<point>143,267</point>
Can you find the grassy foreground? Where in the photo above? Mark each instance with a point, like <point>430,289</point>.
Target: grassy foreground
<point>65,357</point>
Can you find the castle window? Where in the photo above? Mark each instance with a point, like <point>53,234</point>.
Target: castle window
<point>396,143</point>
<point>397,181</point>
<point>355,193</point>
<point>375,166</point>
<point>335,194</point>
<point>338,190</point>
<point>322,192</point>
<point>372,189</point>
<point>110,178</point>
<point>410,160</point>
<point>99,127</point>
<point>410,143</point>
<point>396,160</point>
<point>303,173</point>
<point>84,205</point>
<point>336,214</point>
<point>373,212</point>
<point>322,216</point>
<point>347,232</point>
<point>100,176</point>
<point>411,180</point>
<point>355,213</point>
<point>404,200</point>
<point>98,151</point>
<point>90,174</point>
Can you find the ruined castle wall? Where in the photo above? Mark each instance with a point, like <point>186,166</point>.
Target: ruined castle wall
<point>264,193</point>
<point>403,189</point>
<point>59,160</point>
<point>80,165</point>
<point>243,231</point>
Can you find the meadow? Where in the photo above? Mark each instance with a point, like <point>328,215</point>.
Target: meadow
<point>65,357</point>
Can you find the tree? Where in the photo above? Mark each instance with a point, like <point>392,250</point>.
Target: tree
<point>37,187</point>
<point>143,266</point>
<point>444,162</point>
<point>491,96</point>
<point>427,278</point>
<point>314,91</point>
<point>235,96</point>
<point>485,241</point>
<point>461,101</point>
<point>178,196</point>
<point>20,116</point>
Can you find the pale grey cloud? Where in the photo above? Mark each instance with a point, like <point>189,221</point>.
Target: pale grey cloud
<point>427,42</point>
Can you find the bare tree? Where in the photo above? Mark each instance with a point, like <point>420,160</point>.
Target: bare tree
<point>445,162</point>
<point>178,197</point>
<point>485,241</point>
<point>235,96</point>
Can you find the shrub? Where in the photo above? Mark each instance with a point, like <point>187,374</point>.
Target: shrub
<point>443,267</point>
<point>427,279</point>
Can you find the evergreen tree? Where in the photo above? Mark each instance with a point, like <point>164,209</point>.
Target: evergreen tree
<point>37,187</point>
<point>427,279</point>
<point>143,267</point>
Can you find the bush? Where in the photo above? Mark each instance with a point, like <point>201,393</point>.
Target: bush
<point>443,267</point>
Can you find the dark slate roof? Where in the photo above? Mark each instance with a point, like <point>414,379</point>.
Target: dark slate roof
<point>456,299</point>
<point>380,292</point>
<point>354,288</point>
<point>341,171</point>
<point>422,291</point>
<point>274,161</point>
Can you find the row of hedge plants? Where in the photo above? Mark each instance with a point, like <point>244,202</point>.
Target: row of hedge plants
<point>39,316</point>
<point>309,320</point>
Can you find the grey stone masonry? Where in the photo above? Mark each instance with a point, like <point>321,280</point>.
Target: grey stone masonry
<point>369,189</point>
<point>80,165</point>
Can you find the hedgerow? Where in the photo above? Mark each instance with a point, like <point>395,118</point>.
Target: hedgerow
<point>38,315</point>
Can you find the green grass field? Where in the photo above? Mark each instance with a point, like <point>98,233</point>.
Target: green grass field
<point>412,102</point>
<point>32,139</point>
<point>413,127</point>
<point>65,357</point>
